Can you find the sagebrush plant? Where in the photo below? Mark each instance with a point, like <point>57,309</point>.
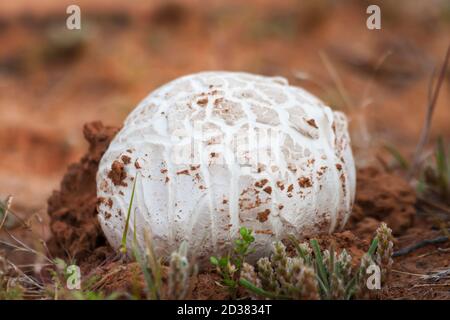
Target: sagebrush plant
<point>229,266</point>
<point>179,272</point>
<point>151,269</point>
<point>385,249</point>
<point>316,274</point>
<point>280,277</point>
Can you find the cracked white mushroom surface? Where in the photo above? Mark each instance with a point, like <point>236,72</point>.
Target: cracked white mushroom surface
<point>215,151</point>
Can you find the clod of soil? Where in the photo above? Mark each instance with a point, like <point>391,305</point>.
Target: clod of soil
<point>73,209</point>
<point>117,173</point>
<point>382,196</point>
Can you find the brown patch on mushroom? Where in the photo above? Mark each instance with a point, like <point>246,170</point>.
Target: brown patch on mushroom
<point>263,215</point>
<point>339,166</point>
<point>261,167</point>
<point>264,232</point>
<point>137,165</point>
<point>186,172</point>
<point>118,174</point>
<point>126,159</point>
<point>312,123</point>
<point>202,102</point>
<point>322,170</point>
<point>342,178</point>
<point>280,185</point>
<point>304,182</point>
<point>268,189</point>
<point>261,183</point>
<point>217,101</point>
<point>290,188</point>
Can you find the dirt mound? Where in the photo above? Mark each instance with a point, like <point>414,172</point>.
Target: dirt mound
<point>382,196</point>
<point>73,209</point>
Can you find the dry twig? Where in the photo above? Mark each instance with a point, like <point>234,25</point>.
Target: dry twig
<point>429,116</point>
<point>420,244</point>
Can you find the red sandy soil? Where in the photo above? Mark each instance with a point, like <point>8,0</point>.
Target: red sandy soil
<point>53,81</point>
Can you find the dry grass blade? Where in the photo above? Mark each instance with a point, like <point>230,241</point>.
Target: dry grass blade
<point>23,247</point>
<point>429,116</point>
<point>373,76</point>
<point>18,221</point>
<point>5,211</point>
<point>337,80</point>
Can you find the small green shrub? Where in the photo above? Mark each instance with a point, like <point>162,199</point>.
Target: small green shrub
<point>229,266</point>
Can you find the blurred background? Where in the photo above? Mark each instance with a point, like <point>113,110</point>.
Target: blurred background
<point>53,80</point>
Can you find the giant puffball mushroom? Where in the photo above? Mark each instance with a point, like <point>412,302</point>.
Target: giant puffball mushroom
<point>211,152</point>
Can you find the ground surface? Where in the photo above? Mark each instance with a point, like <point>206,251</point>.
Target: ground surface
<point>53,81</point>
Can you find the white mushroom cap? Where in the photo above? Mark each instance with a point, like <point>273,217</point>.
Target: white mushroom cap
<point>215,151</point>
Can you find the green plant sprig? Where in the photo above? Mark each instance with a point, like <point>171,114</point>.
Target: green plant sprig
<point>229,266</point>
